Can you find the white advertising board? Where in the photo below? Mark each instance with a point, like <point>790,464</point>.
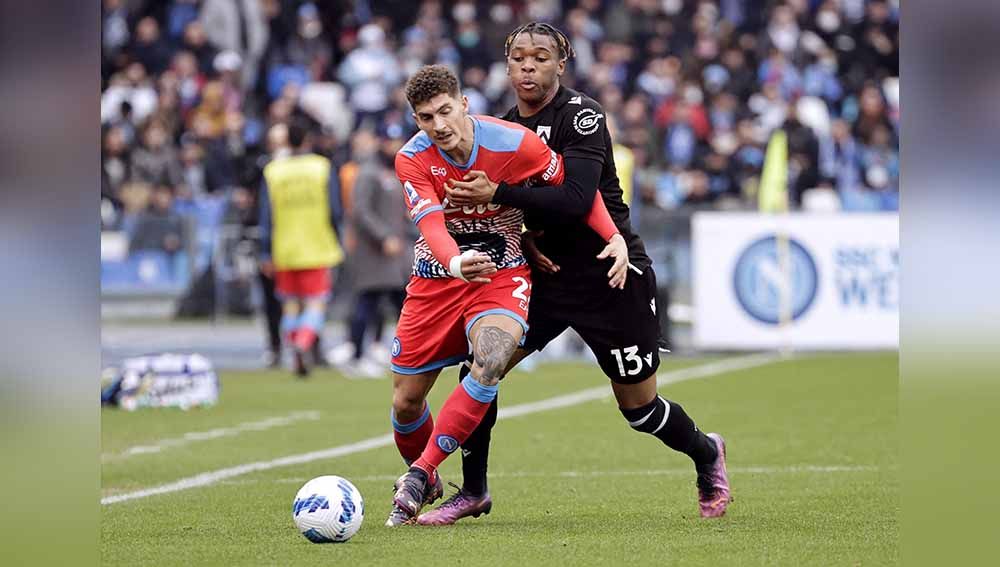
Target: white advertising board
<point>842,271</point>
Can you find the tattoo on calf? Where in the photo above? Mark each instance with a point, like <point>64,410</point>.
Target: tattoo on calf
<point>494,347</point>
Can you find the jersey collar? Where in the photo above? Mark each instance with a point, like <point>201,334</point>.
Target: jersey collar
<point>475,147</point>
<point>563,95</point>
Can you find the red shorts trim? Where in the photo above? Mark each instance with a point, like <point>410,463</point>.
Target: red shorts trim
<point>313,283</point>
<point>438,313</point>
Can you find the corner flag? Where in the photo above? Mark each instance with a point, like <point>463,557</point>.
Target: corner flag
<point>772,196</point>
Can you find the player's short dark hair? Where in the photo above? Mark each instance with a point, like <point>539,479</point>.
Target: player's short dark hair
<point>297,133</point>
<point>562,42</point>
<point>430,81</point>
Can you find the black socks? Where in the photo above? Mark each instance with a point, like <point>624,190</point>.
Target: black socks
<point>669,423</point>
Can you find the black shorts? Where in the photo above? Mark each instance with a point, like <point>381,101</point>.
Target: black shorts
<point>621,326</point>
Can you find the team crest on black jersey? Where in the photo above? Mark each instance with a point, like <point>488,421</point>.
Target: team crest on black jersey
<point>587,121</point>
<point>544,132</point>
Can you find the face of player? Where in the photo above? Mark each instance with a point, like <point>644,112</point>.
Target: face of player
<point>444,119</point>
<point>534,67</point>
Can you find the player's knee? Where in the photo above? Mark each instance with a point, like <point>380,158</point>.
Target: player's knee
<point>494,347</point>
<point>407,406</point>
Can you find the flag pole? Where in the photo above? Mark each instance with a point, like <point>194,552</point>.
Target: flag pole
<point>773,198</point>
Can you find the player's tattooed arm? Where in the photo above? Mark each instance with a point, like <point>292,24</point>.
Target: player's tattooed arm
<point>494,347</point>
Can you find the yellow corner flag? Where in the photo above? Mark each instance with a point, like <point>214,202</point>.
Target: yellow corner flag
<point>772,196</point>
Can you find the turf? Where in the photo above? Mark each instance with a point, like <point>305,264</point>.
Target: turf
<point>812,454</point>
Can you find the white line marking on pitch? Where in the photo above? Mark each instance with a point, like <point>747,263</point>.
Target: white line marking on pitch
<point>196,436</point>
<point>557,402</point>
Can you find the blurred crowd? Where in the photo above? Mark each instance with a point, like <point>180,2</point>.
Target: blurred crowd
<point>195,92</point>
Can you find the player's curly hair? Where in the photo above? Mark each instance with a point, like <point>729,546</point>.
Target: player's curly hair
<point>562,42</point>
<point>430,81</point>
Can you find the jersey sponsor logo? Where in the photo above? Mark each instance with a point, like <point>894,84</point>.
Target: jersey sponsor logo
<point>439,171</point>
<point>587,121</point>
<point>759,283</point>
<point>578,99</point>
<point>397,347</point>
<point>553,167</point>
<point>470,209</point>
<point>411,193</point>
<point>447,443</point>
<point>544,132</point>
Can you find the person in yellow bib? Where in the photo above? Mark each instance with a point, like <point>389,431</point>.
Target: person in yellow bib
<point>299,214</point>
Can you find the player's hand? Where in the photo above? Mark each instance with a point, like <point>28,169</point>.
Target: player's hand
<point>475,267</point>
<point>266,267</point>
<point>392,246</point>
<point>617,249</point>
<point>474,189</point>
<point>535,257</point>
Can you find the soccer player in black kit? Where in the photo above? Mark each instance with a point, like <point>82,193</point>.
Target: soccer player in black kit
<point>571,289</point>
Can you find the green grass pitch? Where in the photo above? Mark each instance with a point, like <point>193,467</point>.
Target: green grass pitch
<point>813,460</point>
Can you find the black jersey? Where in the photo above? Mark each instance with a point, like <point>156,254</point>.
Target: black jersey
<point>573,125</point>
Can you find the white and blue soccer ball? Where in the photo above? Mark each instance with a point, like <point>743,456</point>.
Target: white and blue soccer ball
<point>328,509</point>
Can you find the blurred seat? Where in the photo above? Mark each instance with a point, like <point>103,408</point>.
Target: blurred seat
<point>146,271</point>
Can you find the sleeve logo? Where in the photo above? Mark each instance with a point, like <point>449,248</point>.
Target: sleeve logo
<point>411,193</point>
<point>587,121</point>
<point>553,167</point>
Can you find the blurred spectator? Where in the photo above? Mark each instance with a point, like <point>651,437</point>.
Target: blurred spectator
<point>308,47</point>
<point>803,156</point>
<point>381,258</point>
<point>115,34</point>
<point>159,227</point>
<point>132,86</point>
<point>370,72</point>
<point>841,157</point>
<point>180,13</point>
<point>880,161</point>
<point>116,168</point>
<point>155,161</point>
<point>195,42</point>
<point>872,113</point>
<point>149,48</point>
<point>237,25</point>
<point>199,178</point>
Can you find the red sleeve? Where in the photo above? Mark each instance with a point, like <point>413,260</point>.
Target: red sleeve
<point>535,160</point>
<point>425,209</point>
<point>435,233</point>
<point>600,220</point>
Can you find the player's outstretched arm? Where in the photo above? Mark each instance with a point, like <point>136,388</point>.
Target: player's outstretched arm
<point>573,197</point>
<point>427,214</point>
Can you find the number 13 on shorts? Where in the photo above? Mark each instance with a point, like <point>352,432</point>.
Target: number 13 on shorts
<point>632,359</point>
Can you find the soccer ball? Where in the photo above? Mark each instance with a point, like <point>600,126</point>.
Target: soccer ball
<point>328,509</point>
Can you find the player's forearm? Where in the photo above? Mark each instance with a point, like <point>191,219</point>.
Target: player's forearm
<point>574,197</point>
<point>600,219</point>
<point>435,233</point>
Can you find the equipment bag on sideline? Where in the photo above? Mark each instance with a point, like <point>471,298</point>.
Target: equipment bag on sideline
<point>161,380</point>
